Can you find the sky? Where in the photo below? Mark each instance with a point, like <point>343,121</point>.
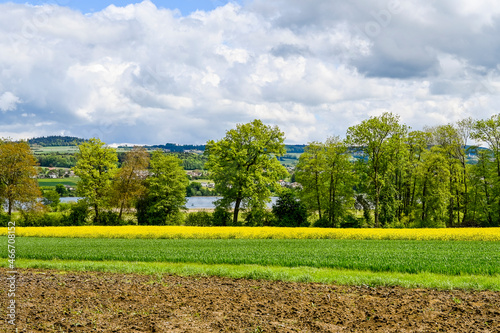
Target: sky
<point>185,72</point>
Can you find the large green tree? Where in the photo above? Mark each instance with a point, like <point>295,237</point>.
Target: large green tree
<point>327,180</point>
<point>378,138</point>
<point>452,139</point>
<point>433,194</point>
<point>129,181</point>
<point>244,167</point>
<point>166,191</point>
<point>417,143</point>
<point>18,172</point>
<point>488,131</point>
<point>309,172</point>
<point>96,167</point>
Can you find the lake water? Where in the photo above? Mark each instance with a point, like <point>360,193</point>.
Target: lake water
<point>192,202</point>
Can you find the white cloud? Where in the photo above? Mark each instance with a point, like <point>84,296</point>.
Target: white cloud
<point>8,101</point>
<point>143,74</point>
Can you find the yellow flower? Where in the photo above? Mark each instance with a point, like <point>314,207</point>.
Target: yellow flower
<point>465,234</point>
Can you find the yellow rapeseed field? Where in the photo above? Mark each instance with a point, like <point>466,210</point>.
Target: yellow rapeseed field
<point>466,234</point>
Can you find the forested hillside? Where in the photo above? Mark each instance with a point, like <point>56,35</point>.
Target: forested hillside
<point>56,140</point>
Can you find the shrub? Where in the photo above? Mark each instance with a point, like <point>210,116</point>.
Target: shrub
<point>289,211</point>
<point>221,217</point>
<point>350,221</point>
<point>258,218</point>
<point>322,223</point>
<point>50,198</point>
<point>64,206</point>
<point>110,218</point>
<point>4,220</point>
<point>202,219</point>
<point>78,215</point>
<point>40,219</point>
<point>150,212</point>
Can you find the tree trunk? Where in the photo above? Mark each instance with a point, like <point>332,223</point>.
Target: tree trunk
<point>236,211</point>
<point>10,207</point>
<point>121,210</point>
<point>377,198</point>
<point>96,218</point>
<point>318,196</point>
<point>424,199</point>
<point>466,194</point>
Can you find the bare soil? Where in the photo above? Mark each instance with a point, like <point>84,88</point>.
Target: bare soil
<point>54,301</point>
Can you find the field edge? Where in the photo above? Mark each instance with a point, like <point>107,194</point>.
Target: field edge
<point>277,273</point>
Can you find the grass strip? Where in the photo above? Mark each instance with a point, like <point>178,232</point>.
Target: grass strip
<point>439,257</point>
<point>289,274</point>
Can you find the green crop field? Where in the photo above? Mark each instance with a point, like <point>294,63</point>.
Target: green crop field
<point>56,149</point>
<point>439,257</point>
<point>48,182</point>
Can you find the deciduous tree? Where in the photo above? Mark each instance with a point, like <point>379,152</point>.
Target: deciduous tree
<point>166,191</point>
<point>326,176</point>
<point>376,138</point>
<point>488,131</point>
<point>129,181</point>
<point>244,167</point>
<point>18,185</point>
<point>96,167</point>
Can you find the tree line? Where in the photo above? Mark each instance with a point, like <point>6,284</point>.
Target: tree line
<point>395,176</point>
<point>405,178</point>
<point>382,174</point>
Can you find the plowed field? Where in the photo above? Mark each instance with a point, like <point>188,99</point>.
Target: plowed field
<point>54,301</point>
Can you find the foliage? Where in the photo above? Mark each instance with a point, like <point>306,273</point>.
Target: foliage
<point>129,182</point>
<point>78,214</point>
<point>488,131</point>
<point>244,167</point>
<point>110,218</point>
<point>18,185</point>
<point>96,167</point>
<point>397,178</point>
<point>4,219</point>
<point>61,190</point>
<point>191,161</point>
<point>173,147</point>
<point>201,219</point>
<point>50,198</point>
<point>196,190</point>
<point>379,139</point>
<point>289,211</point>
<point>350,221</point>
<point>56,160</point>
<point>221,217</point>
<point>165,194</point>
<point>325,172</point>
<point>40,219</point>
<point>56,140</point>
<point>258,217</point>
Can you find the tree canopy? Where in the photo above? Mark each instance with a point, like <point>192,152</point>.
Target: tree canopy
<point>18,185</point>
<point>244,167</point>
<point>96,167</point>
<point>165,194</point>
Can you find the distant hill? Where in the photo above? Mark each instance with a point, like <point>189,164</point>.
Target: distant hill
<point>59,140</point>
<point>297,149</point>
<point>174,147</point>
<point>56,140</point>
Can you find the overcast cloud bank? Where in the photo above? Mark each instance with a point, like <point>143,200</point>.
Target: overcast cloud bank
<point>141,74</point>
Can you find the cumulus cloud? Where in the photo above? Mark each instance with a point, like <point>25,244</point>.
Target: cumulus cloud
<point>144,74</point>
<point>8,101</point>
